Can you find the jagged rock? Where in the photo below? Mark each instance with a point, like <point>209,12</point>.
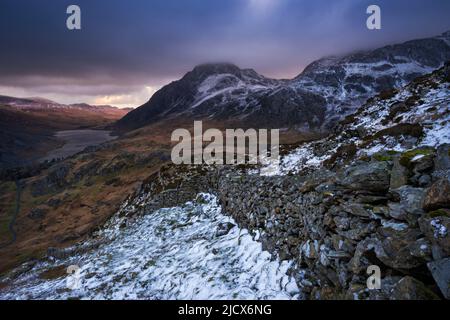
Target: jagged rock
<point>441,274</point>
<point>423,163</point>
<point>421,248</point>
<point>409,288</point>
<point>373,177</point>
<point>396,211</point>
<point>424,180</point>
<point>397,246</point>
<point>342,223</point>
<point>391,247</point>
<point>411,202</point>
<point>357,209</point>
<point>438,196</point>
<point>442,162</point>
<point>340,243</point>
<point>399,174</point>
<point>381,210</point>
<point>359,231</point>
<point>310,249</point>
<point>436,229</point>
<point>224,228</point>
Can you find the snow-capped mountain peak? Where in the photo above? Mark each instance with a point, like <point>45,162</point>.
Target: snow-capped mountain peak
<point>325,92</point>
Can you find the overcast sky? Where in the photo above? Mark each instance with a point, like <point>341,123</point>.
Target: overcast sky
<point>128,49</point>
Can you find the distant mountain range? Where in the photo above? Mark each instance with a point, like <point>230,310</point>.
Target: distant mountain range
<point>27,126</point>
<point>42,103</point>
<point>325,92</point>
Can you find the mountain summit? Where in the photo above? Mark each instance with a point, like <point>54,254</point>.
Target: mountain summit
<point>326,91</point>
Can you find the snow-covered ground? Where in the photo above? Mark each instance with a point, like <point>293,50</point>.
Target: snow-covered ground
<point>173,253</point>
<point>432,113</point>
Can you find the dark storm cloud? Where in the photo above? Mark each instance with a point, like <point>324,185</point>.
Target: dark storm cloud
<point>126,45</point>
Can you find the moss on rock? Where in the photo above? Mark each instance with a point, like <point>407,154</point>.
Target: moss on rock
<point>439,213</point>
<point>406,158</point>
<point>386,155</point>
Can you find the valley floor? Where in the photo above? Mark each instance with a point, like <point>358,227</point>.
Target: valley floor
<point>76,140</point>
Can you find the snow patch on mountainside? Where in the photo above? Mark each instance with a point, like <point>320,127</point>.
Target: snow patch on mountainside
<point>173,253</point>
<point>424,105</point>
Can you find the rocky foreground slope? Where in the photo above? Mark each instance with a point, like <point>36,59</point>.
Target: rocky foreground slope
<point>374,193</point>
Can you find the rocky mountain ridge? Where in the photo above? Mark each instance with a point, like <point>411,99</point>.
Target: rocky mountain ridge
<point>325,92</point>
<point>375,192</point>
<point>38,103</point>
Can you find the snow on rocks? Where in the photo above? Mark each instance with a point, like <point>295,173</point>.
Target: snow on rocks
<point>172,253</point>
<point>415,116</point>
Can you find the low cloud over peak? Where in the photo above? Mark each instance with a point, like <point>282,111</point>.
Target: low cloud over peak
<point>126,50</point>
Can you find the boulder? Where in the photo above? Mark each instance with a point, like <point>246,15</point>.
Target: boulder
<point>438,196</point>
<point>441,274</point>
<point>372,177</point>
<point>421,248</point>
<point>398,248</point>
<point>424,180</point>
<point>436,226</point>
<point>356,209</point>
<point>392,247</point>
<point>409,288</point>
<point>442,162</point>
<point>411,202</point>
<point>399,174</point>
<point>224,228</point>
<point>422,163</point>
